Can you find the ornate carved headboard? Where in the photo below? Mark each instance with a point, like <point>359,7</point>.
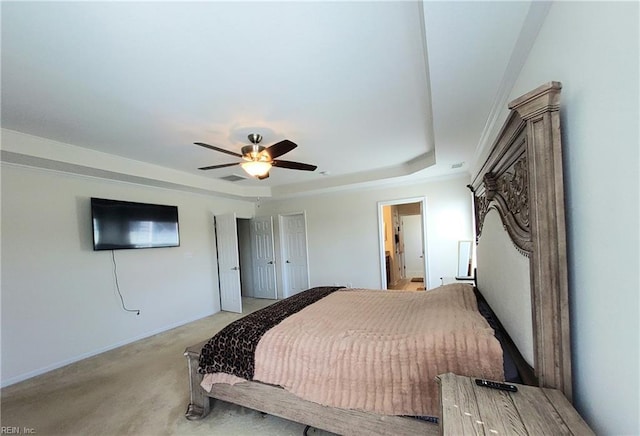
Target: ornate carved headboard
<point>522,181</point>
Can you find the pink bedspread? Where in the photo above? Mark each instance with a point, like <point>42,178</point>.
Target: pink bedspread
<point>379,351</point>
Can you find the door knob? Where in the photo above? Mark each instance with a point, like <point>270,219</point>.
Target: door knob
<point>270,262</point>
<point>235,268</point>
<point>288,261</point>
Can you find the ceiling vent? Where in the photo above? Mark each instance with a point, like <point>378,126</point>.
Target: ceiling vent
<point>233,178</point>
<point>457,165</point>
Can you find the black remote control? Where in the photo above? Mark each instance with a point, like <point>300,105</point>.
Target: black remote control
<point>496,385</point>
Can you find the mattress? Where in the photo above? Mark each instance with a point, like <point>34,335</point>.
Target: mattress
<point>374,350</point>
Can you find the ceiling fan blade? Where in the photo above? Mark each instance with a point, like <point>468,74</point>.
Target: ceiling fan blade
<point>221,150</point>
<point>213,167</point>
<point>280,148</point>
<point>266,176</point>
<point>293,165</point>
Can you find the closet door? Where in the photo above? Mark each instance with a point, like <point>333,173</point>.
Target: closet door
<point>295,271</point>
<point>228,263</point>
<point>264,268</point>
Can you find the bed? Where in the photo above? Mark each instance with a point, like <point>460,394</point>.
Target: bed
<point>519,211</point>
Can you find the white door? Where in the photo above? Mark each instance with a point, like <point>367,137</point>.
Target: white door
<point>413,248</point>
<point>264,268</point>
<point>295,271</point>
<point>228,263</point>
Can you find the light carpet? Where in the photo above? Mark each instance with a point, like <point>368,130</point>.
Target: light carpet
<point>138,389</point>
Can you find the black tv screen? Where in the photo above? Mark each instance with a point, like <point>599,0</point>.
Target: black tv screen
<point>123,224</point>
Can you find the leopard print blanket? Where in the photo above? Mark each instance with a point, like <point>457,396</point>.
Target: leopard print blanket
<point>232,350</point>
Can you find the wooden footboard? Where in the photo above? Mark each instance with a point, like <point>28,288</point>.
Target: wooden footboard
<point>199,401</point>
<point>278,402</point>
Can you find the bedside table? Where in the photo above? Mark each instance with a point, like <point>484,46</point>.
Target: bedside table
<point>467,408</point>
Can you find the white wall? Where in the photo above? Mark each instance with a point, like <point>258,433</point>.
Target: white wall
<point>59,301</point>
<point>592,48</point>
<point>343,236</point>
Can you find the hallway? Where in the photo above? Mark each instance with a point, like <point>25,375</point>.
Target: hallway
<point>407,285</point>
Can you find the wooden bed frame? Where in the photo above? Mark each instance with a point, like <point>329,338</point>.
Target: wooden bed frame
<point>522,179</point>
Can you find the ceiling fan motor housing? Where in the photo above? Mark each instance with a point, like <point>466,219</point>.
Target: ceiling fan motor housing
<point>254,152</point>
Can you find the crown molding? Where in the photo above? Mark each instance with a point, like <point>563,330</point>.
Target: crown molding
<point>498,114</point>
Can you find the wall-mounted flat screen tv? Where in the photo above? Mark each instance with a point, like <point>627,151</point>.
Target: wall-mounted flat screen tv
<point>123,224</point>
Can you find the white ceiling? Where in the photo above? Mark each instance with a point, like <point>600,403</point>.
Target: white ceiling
<point>368,90</point>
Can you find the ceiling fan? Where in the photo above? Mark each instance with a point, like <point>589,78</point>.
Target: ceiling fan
<point>259,159</point>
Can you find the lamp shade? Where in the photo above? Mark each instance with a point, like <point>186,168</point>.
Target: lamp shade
<point>256,168</point>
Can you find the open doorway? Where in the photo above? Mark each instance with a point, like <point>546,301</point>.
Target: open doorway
<point>245,257</point>
<point>403,243</point>
<point>245,254</point>
<point>257,258</point>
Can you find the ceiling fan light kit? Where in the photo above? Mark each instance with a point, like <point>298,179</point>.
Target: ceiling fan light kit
<point>258,159</point>
<point>256,168</point>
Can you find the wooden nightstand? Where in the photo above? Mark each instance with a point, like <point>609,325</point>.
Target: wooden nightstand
<point>467,408</point>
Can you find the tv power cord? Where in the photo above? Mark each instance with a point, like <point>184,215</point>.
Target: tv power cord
<point>115,274</point>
